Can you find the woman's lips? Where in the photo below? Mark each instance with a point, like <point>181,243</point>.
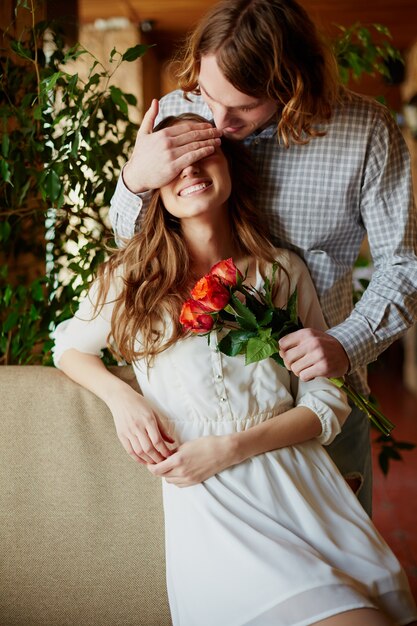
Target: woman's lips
<point>194,188</point>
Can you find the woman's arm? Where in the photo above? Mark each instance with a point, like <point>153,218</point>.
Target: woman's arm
<point>138,427</point>
<point>322,409</point>
<point>198,460</point>
<point>79,342</point>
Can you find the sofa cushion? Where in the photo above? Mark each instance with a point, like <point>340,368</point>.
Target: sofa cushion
<point>81,524</point>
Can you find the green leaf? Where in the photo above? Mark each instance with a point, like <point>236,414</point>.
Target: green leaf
<point>5,230</point>
<point>93,80</point>
<point>244,316</point>
<point>34,313</point>
<point>28,100</point>
<point>22,52</point>
<point>393,454</point>
<point>5,144</point>
<point>52,185</point>
<point>277,359</point>
<point>8,293</point>
<point>131,99</point>
<point>73,53</point>
<point>235,342</point>
<point>135,52</point>
<point>382,29</point>
<point>72,82</point>
<point>75,145</point>
<point>4,170</point>
<point>118,98</point>
<point>267,318</point>
<point>37,112</point>
<point>405,445</point>
<point>11,321</point>
<point>23,191</point>
<point>49,83</point>
<point>257,350</point>
<point>37,291</point>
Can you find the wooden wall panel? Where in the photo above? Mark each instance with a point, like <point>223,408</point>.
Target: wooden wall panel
<point>400,16</point>
<point>177,16</point>
<point>173,18</point>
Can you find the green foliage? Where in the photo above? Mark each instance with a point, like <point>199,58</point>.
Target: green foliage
<point>63,139</point>
<point>390,450</point>
<point>358,52</point>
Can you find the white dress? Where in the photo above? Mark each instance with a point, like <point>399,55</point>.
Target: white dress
<point>279,540</point>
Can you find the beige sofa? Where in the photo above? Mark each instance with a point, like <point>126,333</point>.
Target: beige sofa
<point>81,524</point>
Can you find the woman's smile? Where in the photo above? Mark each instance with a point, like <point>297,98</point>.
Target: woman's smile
<point>196,187</point>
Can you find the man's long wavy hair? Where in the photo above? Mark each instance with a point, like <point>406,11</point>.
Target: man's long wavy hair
<point>268,49</point>
<point>155,268</point>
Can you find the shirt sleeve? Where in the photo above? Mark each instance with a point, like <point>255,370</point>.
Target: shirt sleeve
<point>326,400</point>
<point>86,331</point>
<point>126,207</point>
<point>388,306</point>
<point>125,211</point>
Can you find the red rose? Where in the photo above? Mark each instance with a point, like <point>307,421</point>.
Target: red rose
<point>227,272</point>
<point>211,293</point>
<point>195,317</point>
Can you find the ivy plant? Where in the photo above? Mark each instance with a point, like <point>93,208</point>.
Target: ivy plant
<point>361,49</point>
<point>63,141</point>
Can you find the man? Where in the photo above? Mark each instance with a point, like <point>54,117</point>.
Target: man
<point>332,166</point>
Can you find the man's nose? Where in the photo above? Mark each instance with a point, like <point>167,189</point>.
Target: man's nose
<point>221,116</point>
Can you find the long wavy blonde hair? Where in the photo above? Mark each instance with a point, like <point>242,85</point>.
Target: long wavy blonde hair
<point>154,267</point>
<point>268,49</point>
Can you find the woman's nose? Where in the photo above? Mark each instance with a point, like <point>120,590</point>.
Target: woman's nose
<point>190,170</point>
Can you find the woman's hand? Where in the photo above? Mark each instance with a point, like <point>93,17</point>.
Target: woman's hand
<point>196,460</point>
<point>139,429</point>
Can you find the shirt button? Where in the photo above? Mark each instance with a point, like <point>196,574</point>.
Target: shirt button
<point>222,399</point>
<point>219,377</point>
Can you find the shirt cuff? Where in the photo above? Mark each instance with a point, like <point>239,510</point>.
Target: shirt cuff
<point>124,210</point>
<point>358,344</point>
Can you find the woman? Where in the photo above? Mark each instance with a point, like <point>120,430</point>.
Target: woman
<point>265,530</point>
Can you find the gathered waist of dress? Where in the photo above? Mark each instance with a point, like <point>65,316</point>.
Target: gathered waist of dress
<point>191,429</point>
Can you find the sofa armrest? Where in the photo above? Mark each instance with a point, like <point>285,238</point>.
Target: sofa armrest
<point>81,524</point>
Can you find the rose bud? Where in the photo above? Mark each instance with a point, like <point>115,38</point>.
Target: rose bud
<point>211,293</point>
<point>227,272</point>
<point>195,317</point>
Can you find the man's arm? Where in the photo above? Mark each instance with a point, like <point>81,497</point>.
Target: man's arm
<point>388,307</point>
<point>156,159</point>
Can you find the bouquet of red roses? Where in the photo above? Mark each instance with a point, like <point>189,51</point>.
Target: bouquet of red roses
<point>254,323</point>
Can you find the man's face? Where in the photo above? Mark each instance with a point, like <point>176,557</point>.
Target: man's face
<point>235,113</point>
